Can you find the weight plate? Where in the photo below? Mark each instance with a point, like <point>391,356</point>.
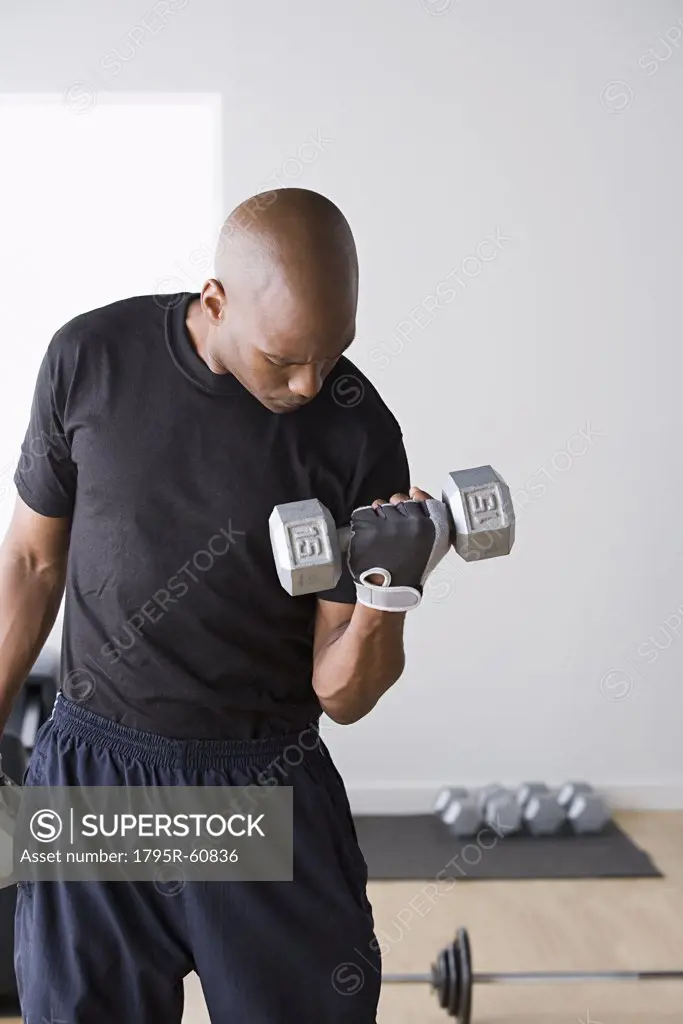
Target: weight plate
<point>463,954</point>
<point>439,979</point>
<point>452,1004</point>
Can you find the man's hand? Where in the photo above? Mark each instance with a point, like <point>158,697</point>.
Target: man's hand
<point>415,495</point>
<point>396,499</point>
<point>394,547</point>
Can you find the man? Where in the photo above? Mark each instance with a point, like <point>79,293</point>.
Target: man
<point>172,426</point>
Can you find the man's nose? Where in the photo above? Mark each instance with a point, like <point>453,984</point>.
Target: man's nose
<point>307,381</point>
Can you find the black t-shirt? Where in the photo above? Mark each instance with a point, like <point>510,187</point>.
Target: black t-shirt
<point>175,620</point>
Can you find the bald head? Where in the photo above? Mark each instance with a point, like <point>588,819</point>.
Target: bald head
<point>291,234</point>
<point>283,304</point>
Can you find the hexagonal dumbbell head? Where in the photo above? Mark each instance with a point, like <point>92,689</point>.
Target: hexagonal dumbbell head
<point>482,513</point>
<point>484,794</point>
<point>503,814</point>
<point>306,547</point>
<point>570,790</point>
<point>588,813</point>
<point>499,808</point>
<point>445,797</point>
<point>463,817</point>
<point>543,815</point>
<point>526,790</point>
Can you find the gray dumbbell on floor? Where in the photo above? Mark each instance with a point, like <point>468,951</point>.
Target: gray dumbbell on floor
<point>308,546</point>
<point>585,811</point>
<point>499,809</point>
<point>541,811</point>
<point>459,811</point>
<point>546,812</point>
<point>464,813</point>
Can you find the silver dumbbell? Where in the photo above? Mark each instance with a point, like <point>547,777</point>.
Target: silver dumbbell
<point>586,812</point>
<point>462,817</point>
<point>464,812</point>
<point>569,790</point>
<point>308,546</point>
<point>445,797</point>
<point>543,815</point>
<point>499,809</point>
<point>545,812</point>
<point>528,789</point>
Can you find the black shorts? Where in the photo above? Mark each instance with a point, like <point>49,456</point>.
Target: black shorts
<point>266,952</point>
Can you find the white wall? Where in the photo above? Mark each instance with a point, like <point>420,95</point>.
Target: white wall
<point>93,229</point>
<point>553,125</point>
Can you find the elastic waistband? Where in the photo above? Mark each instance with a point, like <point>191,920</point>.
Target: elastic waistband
<point>150,748</point>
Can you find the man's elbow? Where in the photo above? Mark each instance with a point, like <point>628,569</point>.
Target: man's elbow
<point>357,698</point>
<point>343,717</point>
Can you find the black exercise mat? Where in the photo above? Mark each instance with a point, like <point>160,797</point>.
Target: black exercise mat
<point>419,847</point>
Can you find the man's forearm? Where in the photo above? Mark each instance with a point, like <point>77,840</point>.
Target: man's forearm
<point>30,596</point>
<point>356,667</point>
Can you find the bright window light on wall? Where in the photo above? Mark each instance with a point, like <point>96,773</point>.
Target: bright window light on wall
<point>96,206</point>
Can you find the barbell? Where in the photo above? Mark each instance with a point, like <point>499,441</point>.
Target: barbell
<point>452,977</point>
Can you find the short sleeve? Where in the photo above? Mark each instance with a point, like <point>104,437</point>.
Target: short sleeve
<point>390,473</point>
<point>46,475</point>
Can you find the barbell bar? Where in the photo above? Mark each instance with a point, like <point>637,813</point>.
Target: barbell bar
<point>452,978</point>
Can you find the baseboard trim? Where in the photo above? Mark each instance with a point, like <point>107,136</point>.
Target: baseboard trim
<point>390,798</point>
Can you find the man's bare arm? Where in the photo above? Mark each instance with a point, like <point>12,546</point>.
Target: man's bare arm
<point>358,652</point>
<point>357,656</point>
<point>33,559</point>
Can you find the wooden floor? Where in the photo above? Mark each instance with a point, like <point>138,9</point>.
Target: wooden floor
<point>541,925</point>
<point>545,925</point>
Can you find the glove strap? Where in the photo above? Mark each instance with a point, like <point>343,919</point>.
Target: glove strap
<point>383,596</point>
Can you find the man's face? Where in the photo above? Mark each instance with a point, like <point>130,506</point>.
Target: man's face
<point>283,357</point>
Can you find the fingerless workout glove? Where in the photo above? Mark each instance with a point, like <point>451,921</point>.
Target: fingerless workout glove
<point>400,543</point>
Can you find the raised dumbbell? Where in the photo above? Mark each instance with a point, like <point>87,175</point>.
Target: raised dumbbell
<point>308,546</point>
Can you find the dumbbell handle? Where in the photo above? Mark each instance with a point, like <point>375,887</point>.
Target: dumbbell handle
<point>344,537</point>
